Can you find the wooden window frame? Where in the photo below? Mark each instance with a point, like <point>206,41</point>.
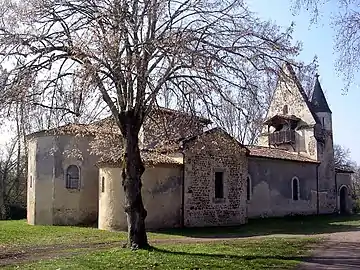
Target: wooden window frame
<point>68,182</point>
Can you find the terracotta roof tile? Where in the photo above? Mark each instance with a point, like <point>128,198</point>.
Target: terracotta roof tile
<point>275,153</point>
<point>344,170</point>
<point>150,158</point>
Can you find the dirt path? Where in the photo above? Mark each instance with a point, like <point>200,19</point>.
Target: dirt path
<point>340,251</point>
<point>30,254</point>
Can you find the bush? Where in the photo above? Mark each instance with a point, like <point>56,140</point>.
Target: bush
<point>15,212</point>
<point>356,205</point>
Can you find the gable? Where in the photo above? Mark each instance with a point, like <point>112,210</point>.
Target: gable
<point>215,141</point>
<point>289,92</point>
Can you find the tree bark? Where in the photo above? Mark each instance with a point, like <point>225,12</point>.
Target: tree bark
<point>2,196</point>
<point>132,170</point>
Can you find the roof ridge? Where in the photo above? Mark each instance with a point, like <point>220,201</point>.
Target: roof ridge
<point>302,91</point>
<point>318,99</point>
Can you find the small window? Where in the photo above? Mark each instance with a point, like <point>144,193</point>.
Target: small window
<point>295,189</point>
<point>31,181</point>
<point>321,148</point>
<point>219,185</point>
<point>103,184</point>
<point>73,177</point>
<point>248,188</point>
<point>323,121</point>
<point>285,109</point>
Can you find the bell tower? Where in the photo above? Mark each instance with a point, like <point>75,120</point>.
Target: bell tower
<point>321,107</point>
<point>325,149</point>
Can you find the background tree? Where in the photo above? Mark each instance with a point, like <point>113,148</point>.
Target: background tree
<point>346,23</point>
<point>12,182</point>
<point>342,157</point>
<point>244,121</point>
<point>343,160</point>
<point>127,53</point>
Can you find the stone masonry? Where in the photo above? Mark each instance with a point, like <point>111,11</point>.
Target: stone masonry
<point>205,155</point>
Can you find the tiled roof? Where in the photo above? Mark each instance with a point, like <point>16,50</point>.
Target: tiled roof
<point>318,99</point>
<point>214,130</point>
<point>181,113</point>
<point>281,117</point>
<point>343,170</point>
<point>275,153</point>
<point>80,129</point>
<point>151,158</point>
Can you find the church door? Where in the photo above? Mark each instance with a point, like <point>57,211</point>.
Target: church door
<point>343,200</point>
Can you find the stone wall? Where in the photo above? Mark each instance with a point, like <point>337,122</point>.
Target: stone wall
<point>271,187</point>
<point>327,173</point>
<point>161,191</point>
<point>344,180</point>
<point>209,153</point>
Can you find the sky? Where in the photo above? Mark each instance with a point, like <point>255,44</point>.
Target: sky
<point>318,39</point>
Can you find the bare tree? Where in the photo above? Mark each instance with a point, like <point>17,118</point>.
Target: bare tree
<point>245,120</point>
<point>346,22</point>
<point>128,52</point>
<point>12,178</point>
<point>342,157</point>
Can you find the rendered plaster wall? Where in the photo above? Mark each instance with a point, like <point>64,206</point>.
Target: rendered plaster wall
<point>31,186</point>
<point>75,206</point>
<point>49,202</point>
<point>288,93</point>
<point>40,170</point>
<point>161,193</point>
<point>271,188</point>
<point>204,156</point>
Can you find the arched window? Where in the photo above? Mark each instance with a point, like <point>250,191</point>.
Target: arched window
<point>285,109</point>
<point>73,177</point>
<point>295,189</point>
<point>248,188</point>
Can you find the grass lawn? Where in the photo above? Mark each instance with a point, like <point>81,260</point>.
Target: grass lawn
<point>18,233</point>
<point>267,253</point>
<point>60,247</point>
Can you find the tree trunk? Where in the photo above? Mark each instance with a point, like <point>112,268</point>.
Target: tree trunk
<point>132,170</point>
<point>2,197</point>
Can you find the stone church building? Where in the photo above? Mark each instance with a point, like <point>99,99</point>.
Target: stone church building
<point>194,176</point>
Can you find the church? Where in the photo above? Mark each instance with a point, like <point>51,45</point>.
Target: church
<point>195,176</point>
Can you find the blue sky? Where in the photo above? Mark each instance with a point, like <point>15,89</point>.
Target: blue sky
<point>319,40</point>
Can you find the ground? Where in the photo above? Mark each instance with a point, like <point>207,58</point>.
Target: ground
<point>283,243</point>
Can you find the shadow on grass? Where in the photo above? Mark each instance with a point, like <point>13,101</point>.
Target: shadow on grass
<point>346,255</point>
<point>297,225</point>
<point>227,256</point>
